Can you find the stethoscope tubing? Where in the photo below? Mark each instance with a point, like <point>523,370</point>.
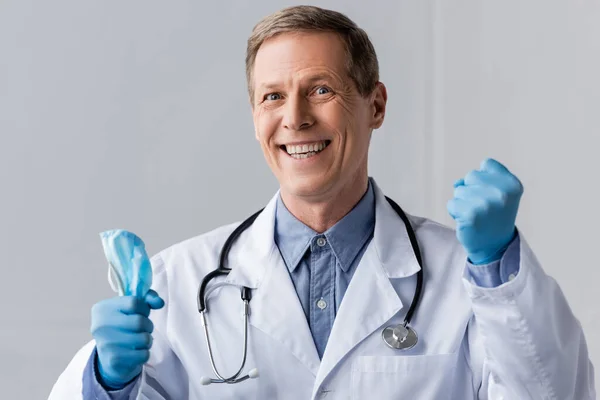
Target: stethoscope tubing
<point>223,270</point>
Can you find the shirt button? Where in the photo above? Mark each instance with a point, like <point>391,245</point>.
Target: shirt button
<point>321,304</point>
<point>321,241</point>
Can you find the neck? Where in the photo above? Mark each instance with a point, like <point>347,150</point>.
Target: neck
<point>323,213</point>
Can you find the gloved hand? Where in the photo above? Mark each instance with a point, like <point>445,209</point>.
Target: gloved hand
<point>485,206</point>
<point>122,330</point>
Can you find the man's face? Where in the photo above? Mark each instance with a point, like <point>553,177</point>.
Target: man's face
<point>312,124</point>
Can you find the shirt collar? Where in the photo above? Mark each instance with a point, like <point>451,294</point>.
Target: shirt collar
<point>346,237</point>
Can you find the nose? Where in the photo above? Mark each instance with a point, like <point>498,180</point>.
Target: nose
<point>297,114</point>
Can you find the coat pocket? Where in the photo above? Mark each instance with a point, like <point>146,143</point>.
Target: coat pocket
<point>422,377</point>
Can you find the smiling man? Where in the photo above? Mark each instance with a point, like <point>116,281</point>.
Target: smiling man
<point>314,123</point>
<point>348,296</point>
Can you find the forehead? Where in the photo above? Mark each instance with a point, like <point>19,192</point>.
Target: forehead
<point>293,55</point>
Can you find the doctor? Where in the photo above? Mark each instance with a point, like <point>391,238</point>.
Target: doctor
<point>330,265</point>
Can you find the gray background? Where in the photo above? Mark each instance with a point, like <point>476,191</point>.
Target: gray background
<point>134,114</point>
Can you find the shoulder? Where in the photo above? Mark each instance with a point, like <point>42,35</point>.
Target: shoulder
<point>197,250</point>
<point>438,240</point>
<point>432,230</point>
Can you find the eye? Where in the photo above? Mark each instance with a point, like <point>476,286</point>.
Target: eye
<point>272,96</point>
<point>323,90</point>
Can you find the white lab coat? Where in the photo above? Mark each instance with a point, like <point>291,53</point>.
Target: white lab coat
<point>517,341</point>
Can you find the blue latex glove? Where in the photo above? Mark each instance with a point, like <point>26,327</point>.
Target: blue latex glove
<point>485,206</point>
<point>122,331</point>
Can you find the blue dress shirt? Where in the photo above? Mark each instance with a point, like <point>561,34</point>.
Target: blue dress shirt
<point>321,265</point>
<point>498,272</point>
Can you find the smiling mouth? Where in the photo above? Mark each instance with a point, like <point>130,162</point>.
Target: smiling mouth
<point>300,152</point>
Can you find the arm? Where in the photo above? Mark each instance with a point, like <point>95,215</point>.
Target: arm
<point>523,340</point>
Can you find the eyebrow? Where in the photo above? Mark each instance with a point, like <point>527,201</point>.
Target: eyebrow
<point>311,79</point>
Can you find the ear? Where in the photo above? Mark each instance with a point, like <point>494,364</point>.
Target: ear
<point>378,102</point>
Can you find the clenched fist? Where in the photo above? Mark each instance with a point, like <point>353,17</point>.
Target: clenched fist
<point>485,206</point>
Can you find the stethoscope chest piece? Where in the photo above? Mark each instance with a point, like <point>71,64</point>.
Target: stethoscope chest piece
<point>400,337</point>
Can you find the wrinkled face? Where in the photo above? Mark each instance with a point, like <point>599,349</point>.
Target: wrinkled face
<point>312,124</point>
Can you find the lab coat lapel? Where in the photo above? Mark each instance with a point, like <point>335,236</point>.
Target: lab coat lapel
<point>274,308</point>
<point>371,300</point>
<point>276,311</point>
<point>368,303</point>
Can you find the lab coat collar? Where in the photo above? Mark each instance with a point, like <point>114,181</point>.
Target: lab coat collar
<point>391,239</point>
<point>250,257</point>
<point>255,249</point>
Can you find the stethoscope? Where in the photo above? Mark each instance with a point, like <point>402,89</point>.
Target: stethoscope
<point>400,337</point>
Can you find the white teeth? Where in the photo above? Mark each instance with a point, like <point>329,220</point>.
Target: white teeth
<point>305,148</point>
<point>303,156</point>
